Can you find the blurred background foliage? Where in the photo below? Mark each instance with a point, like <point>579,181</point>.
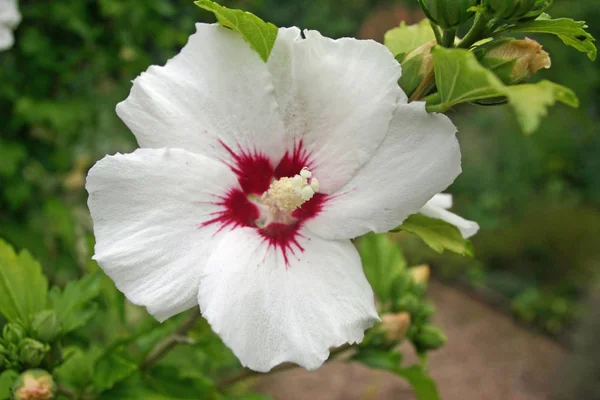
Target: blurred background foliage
<point>537,198</point>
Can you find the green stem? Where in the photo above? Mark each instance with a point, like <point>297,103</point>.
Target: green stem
<point>475,33</point>
<point>163,347</point>
<point>448,37</point>
<point>436,32</point>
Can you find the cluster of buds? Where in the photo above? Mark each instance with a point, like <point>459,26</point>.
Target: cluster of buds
<point>513,10</point>
<point>19,351</point>
<point>448,14</point>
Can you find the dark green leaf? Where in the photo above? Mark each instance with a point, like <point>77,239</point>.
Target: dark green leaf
<point>259,34</point>
<point>111,369</point>
<point>77,370</point>
<point>379,359</point>
<point>7,379</point>
<point>424,386</point>
<point>23,286</point>
<point>438,234</point>
<point>73,304</point>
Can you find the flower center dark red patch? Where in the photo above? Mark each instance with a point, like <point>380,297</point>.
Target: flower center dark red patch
<point>255,174</point>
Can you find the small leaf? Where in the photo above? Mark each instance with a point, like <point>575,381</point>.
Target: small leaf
<point>7,379</point>
<point>77,370</point>
<point>388,360</point>
<point>259,34</point>
<point>571,32</point>
<point>23,286</point>
<point>438,234</point>
<point>73,304</point>
<point>460,78</point>
<point>424,386</point>
<point>111,369</point>
<point>405,38</point>
<point>382,262</point>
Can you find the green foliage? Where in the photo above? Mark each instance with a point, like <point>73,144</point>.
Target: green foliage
<point>572,33</point>
<point>259,34</point>
<point>7,379</point>
<point>439,235</point>
<point>460,78</point>
<point>22,284</point>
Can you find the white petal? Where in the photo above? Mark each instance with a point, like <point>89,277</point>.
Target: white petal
<point>335,96</point>
<point>148,208</point>
<point>216,90</point>
<point>268,312</point>
<point>467,228</point>
<point>419,157</point>
<point>9,13</point>
<point>442,200</point>
<point>6,38</point>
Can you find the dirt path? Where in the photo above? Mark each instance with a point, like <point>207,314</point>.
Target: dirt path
<point>487,357</point>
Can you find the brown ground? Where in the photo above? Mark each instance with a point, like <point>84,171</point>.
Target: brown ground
<point>487,357</point>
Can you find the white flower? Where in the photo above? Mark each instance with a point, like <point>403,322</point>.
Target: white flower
<point>438,207</point>
<point>251,180</point>
<point>9,19</point>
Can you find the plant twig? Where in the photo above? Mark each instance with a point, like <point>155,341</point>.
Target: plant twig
<point>448,37</point>
<point>475,32</point>
<point>65,391</point>
<point>166,345</point>
<point>248,373</point>
<point>436,32</point>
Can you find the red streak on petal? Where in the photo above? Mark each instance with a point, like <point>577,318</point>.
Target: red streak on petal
<point>237,211</point>
<point>293,162</point>
<point>311,208</point>
<point>254,171</point>
<point>282,237</point>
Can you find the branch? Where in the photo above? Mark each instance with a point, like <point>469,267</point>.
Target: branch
<point>166,345</point>
<point>248,373</point>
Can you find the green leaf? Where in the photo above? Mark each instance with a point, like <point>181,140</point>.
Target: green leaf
<point>460,78</point>
<point>7,379</point>
<point>405,38</point>
<point>77,370</point>
<point>439,235</point>
<point>23,285</point>
<point>111,369</point>
<point>424,386</point>
<point>421,382</point>
<point>73,304</point>
<point>259,34</point>
<point>571,32</point>
<point>382,261</point>
<point>169,380</point>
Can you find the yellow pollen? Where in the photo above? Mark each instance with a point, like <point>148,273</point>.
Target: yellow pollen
<point>287,194</point>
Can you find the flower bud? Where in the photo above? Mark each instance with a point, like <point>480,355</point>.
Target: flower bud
<point>409,303</point>
<point>13,333</point>
<point>34,384</point>
<point>448,14</point>
<point>32,352</point>
<point>429,338</point>
<point>515,9</point>
<point>45,326</point>
<point>395,326</point>
<point>417,66</point>
<point>420,273</point>
<point>527,54</point>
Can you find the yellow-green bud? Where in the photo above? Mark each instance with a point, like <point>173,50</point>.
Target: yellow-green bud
<point>45,326</point>
<point>395,326</point>
<point>34,384</point>
<point>515,61</point>
<point>13,333</point>
<point>32,352</point>
<point>448,14</point>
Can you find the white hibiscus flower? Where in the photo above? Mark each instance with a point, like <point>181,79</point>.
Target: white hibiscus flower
<point>9,19</point>
<point>251,180</point>
<point>438,207</point>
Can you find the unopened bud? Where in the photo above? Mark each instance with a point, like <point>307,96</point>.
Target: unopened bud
<point>516,9</point>
<point>45,326</point>
<point>417,66</point>
<point>395,326</point>
<point>13,332</point>
<point>527,55</point>
<point>34,384</point>
<point>429,338</point>
<point>32,352</point>
<point>448,14</point>
<point>420,273</point>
